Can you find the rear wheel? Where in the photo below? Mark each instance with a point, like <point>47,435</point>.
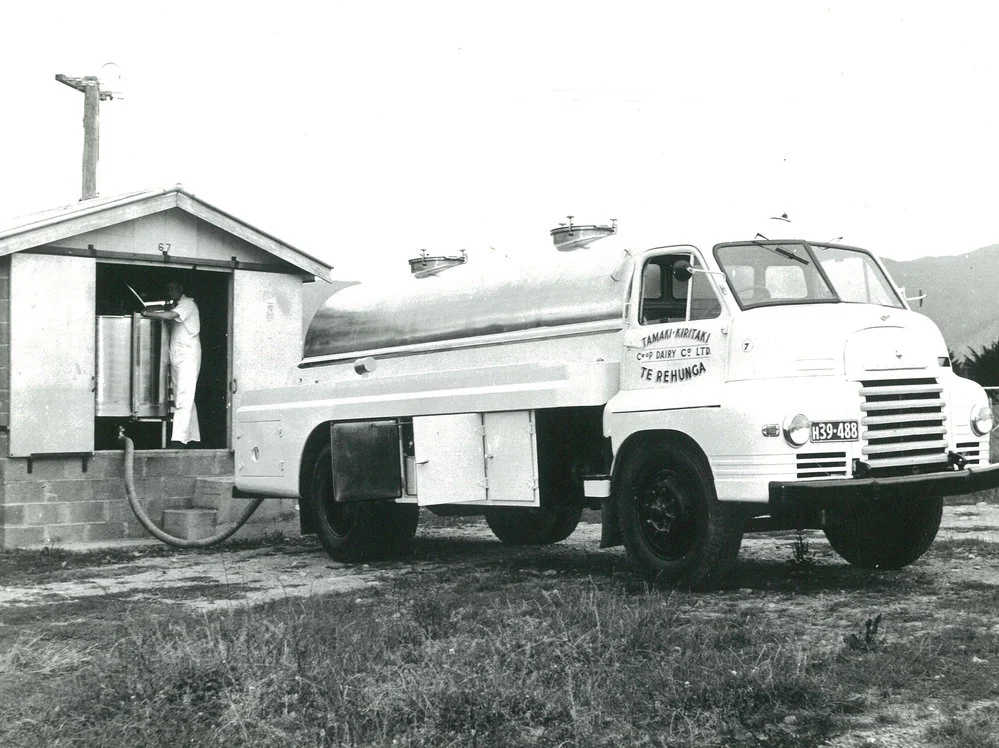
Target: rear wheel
<point>671,521</point>
<point>886,534</point>
<point>535,526</point>
<point>358,530</point>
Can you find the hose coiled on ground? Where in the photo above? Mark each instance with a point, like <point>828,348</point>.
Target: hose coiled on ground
<point>155,531</point>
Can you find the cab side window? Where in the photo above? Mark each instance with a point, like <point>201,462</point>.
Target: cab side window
<point>664,297</point>
<point>661,298</point>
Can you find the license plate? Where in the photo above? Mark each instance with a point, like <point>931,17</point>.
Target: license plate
<point>835,431</point>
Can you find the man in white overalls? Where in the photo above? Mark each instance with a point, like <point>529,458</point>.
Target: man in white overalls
<point>185,362</point>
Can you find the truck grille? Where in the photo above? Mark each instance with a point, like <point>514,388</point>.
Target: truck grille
<point>971,451</point>
<point>821,464</point>
<point>903,425</point>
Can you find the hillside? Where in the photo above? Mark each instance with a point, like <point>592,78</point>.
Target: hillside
<point>960,295</point>
<point>313,296</point>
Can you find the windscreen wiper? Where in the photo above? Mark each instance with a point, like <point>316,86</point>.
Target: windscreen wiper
<point>780,250</point>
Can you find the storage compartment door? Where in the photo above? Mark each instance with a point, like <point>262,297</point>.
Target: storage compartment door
<point>266,332</point>
<point>450,459</point>
<point>52,342</point>
<point>511,459</point>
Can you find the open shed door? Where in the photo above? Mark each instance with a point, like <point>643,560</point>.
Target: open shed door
<point>266,331</point>
<point>52,334</point>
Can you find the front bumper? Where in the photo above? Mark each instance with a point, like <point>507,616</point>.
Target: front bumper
<point>785,495</point>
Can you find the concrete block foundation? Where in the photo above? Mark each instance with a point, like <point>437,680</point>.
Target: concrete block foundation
<point>62,500</point>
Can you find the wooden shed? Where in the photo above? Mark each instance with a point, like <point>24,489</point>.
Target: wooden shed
<point>71,283</point>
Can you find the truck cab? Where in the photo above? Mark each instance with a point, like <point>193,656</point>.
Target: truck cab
<point>796,390</point>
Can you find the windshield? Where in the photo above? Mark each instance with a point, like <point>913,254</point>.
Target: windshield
<point>765,273</point>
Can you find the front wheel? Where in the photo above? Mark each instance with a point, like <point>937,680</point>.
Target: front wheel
<point>671,520</point>
<point>887,533</point>
<point>358,530</point>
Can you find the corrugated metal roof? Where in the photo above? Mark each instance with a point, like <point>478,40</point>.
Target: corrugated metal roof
<point>35,229</point>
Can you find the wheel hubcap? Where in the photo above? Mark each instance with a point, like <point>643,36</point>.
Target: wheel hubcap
<point>666,515</point>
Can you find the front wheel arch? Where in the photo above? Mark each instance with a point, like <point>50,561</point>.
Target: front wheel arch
<point>610,519</point>
<point>669,516</point>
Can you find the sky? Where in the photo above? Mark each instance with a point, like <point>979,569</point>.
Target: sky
<point>364,132</point>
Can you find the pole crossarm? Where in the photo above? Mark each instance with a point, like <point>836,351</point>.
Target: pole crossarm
<point>81,84</point>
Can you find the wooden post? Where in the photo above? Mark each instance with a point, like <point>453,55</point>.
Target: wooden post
<point>92,98</point>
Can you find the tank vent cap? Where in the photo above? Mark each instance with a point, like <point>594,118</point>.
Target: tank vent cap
<point>570,236</point>
<point>425,264</point>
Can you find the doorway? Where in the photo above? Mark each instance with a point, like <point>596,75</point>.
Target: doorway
<point>211,291</point>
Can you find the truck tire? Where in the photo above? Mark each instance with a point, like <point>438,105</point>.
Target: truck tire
<point>671,521</point>
<point>886,534</point>
<point>359,530</point>
<point>534,526</point>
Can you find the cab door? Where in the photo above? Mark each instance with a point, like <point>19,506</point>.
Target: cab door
<point>675,340</point>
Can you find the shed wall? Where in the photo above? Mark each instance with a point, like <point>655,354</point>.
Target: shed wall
<point>63,500</point>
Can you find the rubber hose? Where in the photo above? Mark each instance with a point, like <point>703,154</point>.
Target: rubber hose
<point>157,532</point>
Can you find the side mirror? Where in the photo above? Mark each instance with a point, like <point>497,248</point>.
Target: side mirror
<point>920,296</point>
<point>682,271</point>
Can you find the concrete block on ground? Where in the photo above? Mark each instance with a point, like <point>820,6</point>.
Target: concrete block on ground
<point>189,524</point>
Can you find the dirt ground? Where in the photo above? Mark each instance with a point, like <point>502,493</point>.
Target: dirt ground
<point>205,582</point>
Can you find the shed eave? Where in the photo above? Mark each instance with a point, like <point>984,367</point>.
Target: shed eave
<point>52,226</point>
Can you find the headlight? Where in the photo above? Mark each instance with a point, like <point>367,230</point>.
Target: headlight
<point>797,429</point>
<point>981,420</point>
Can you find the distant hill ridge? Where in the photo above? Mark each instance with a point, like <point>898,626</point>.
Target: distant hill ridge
<point>961,295</point>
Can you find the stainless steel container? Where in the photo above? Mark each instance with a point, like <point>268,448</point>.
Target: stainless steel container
<point>132,366</point>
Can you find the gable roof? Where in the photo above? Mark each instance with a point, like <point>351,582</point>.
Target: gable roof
<point>45,227</point>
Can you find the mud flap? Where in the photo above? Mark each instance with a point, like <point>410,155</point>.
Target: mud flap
<point>610,527</point>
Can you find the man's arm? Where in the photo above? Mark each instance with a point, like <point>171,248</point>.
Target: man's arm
<point>167,315</point>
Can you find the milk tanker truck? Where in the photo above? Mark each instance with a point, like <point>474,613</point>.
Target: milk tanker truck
<point>690,392</point>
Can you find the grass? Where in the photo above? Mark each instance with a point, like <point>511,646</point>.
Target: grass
<point>536,647</point>
<point>506,654</point>
<point>584,666</point>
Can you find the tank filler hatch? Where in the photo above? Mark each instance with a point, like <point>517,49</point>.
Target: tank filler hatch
<point>568,236</point>
<point>425,264</point>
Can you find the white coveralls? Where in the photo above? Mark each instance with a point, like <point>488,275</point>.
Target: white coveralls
<point>185,365</point>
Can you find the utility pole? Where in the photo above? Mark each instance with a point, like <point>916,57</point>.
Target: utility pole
<point>92,97</point>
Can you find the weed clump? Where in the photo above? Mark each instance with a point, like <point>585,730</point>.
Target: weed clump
<point>868,641</point>
<point>802,554</point>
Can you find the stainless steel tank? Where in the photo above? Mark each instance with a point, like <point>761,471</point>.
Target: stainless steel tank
<point>132,363</point>
<point>470,300</point>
